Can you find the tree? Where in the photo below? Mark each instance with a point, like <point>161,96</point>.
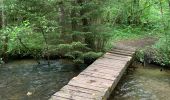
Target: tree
<point>5,36</point>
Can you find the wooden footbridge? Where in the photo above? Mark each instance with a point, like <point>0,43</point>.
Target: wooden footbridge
<point>100,78</point>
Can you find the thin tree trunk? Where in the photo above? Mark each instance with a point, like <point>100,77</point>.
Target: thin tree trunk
<point>47,48</point>
<point>136,16</point>
<point>28,49</point>
<point>5,44</point>
<point>62,19</point>
<point>3,14</point>
<point>74,23</point>
<point>169,3</point>
<point>164,24</point>
<point>5,50</point>
<point>88,38</point>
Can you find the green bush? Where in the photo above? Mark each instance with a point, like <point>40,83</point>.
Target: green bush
<point>163,48</point>
<point>77,51</point>
<point>158,53</point>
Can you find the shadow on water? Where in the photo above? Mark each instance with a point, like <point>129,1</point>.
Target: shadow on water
<point>25,80</point>
<point>144,83</point>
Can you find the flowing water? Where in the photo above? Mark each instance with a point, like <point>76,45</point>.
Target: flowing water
<point>144,83</point>
<point>25,80</point>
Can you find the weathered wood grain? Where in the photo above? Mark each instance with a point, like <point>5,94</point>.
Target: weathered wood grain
<point>98,80</point>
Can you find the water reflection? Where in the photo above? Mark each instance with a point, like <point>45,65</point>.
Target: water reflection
<point>25,80</point>
<point>145,83</point>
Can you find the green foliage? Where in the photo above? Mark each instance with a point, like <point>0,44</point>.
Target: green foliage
<point>77,51</point>
<point>158,53</point>
<point>140,55</point>
<point>153,55</point>
<point>74,46</point>
<point>55,27</point>
<point>92,55</point>
<point>82,29</point>
<point>163,46</point>
<point>22,33</point>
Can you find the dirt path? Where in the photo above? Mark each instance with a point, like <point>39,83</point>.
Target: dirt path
<point>137,43</point>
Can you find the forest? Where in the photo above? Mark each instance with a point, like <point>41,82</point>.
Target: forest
<point>46,43</point>
<point>82,30</point>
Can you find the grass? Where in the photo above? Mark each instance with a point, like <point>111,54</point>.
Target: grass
<point>128,32</point>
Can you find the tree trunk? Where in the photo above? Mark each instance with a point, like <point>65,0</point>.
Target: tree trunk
<point>136,16</point>
<point>88,38</point>
<point>35,57</point>
<point>169,3</point>
<point>47,48</point>
<point>5,50</point>
<point>62,19</point>
<point>5,44</point>
<point>74,23</point>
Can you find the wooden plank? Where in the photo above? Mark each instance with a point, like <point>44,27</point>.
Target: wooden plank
<point>59,98</point>
<point>121,53</point>
<point>77,93</point>
<point>104,69</point>
<point>124,47</point>
<point>98,80</point>
<point>114,65</point>
<point>72,96</point>
<point>117,55</point>
<point>79,89</point>
<point>99,75</point>
<point>86,86</point>
<point>103,59</point>
<point>106,66</point>
<point>103,91</point>
<point>113,61</point>
<point>122,50</point>
<point>105,62</point>
<point>116,58</point>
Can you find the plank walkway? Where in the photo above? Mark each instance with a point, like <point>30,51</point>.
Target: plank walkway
<point>99,79</point>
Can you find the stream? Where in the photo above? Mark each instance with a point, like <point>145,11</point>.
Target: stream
<point>25,80</point>
<point>144,83</point>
